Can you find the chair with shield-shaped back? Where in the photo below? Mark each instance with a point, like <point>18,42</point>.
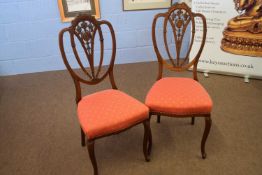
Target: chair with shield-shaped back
<point>179,96</point>
<point>105,112</point>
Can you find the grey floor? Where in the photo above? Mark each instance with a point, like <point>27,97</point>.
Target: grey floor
<point>40,135</point>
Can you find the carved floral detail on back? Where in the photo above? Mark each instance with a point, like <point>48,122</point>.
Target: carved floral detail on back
<point>85,30</point>
<point>180,18</point>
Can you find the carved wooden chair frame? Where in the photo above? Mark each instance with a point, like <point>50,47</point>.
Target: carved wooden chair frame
<point>179,16</point>
<point>84,28</point>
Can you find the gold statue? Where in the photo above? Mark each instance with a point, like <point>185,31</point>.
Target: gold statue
<point>243,34</point>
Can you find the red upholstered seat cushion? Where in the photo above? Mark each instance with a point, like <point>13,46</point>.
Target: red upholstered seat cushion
<point>109,111</point>
<point>178,96</point>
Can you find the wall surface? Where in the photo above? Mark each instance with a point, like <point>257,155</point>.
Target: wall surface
<point>29,34</point>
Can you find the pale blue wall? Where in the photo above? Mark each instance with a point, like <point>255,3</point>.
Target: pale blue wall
<point>29,34</point>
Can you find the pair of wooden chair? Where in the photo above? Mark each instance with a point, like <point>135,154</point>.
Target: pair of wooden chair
<point>111,111</point>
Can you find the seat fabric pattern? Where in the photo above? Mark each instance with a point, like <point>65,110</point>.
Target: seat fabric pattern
<point>178,96</point>
<point>109,111</point>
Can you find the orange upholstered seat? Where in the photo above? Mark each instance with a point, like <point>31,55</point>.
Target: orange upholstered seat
<point>178,96</point>
<point>109,111</point>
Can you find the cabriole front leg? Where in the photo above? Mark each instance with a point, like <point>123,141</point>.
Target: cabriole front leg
<point>91,151</point>
<point>208,123</point>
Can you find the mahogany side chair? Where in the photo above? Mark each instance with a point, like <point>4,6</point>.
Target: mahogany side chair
<point>178,96</point>
<point>105,112</point>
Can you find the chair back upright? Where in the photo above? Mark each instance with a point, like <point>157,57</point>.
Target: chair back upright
<point>84,29</point>
<point>181,21</point>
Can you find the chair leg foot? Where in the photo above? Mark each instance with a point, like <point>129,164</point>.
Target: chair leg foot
<point>204,155</point>
<point>158,118</point>
<point>83,136</point>
<point>192,120</point>
<point>208,123</point>
<point>91,151</point>
<point>147,143</point>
